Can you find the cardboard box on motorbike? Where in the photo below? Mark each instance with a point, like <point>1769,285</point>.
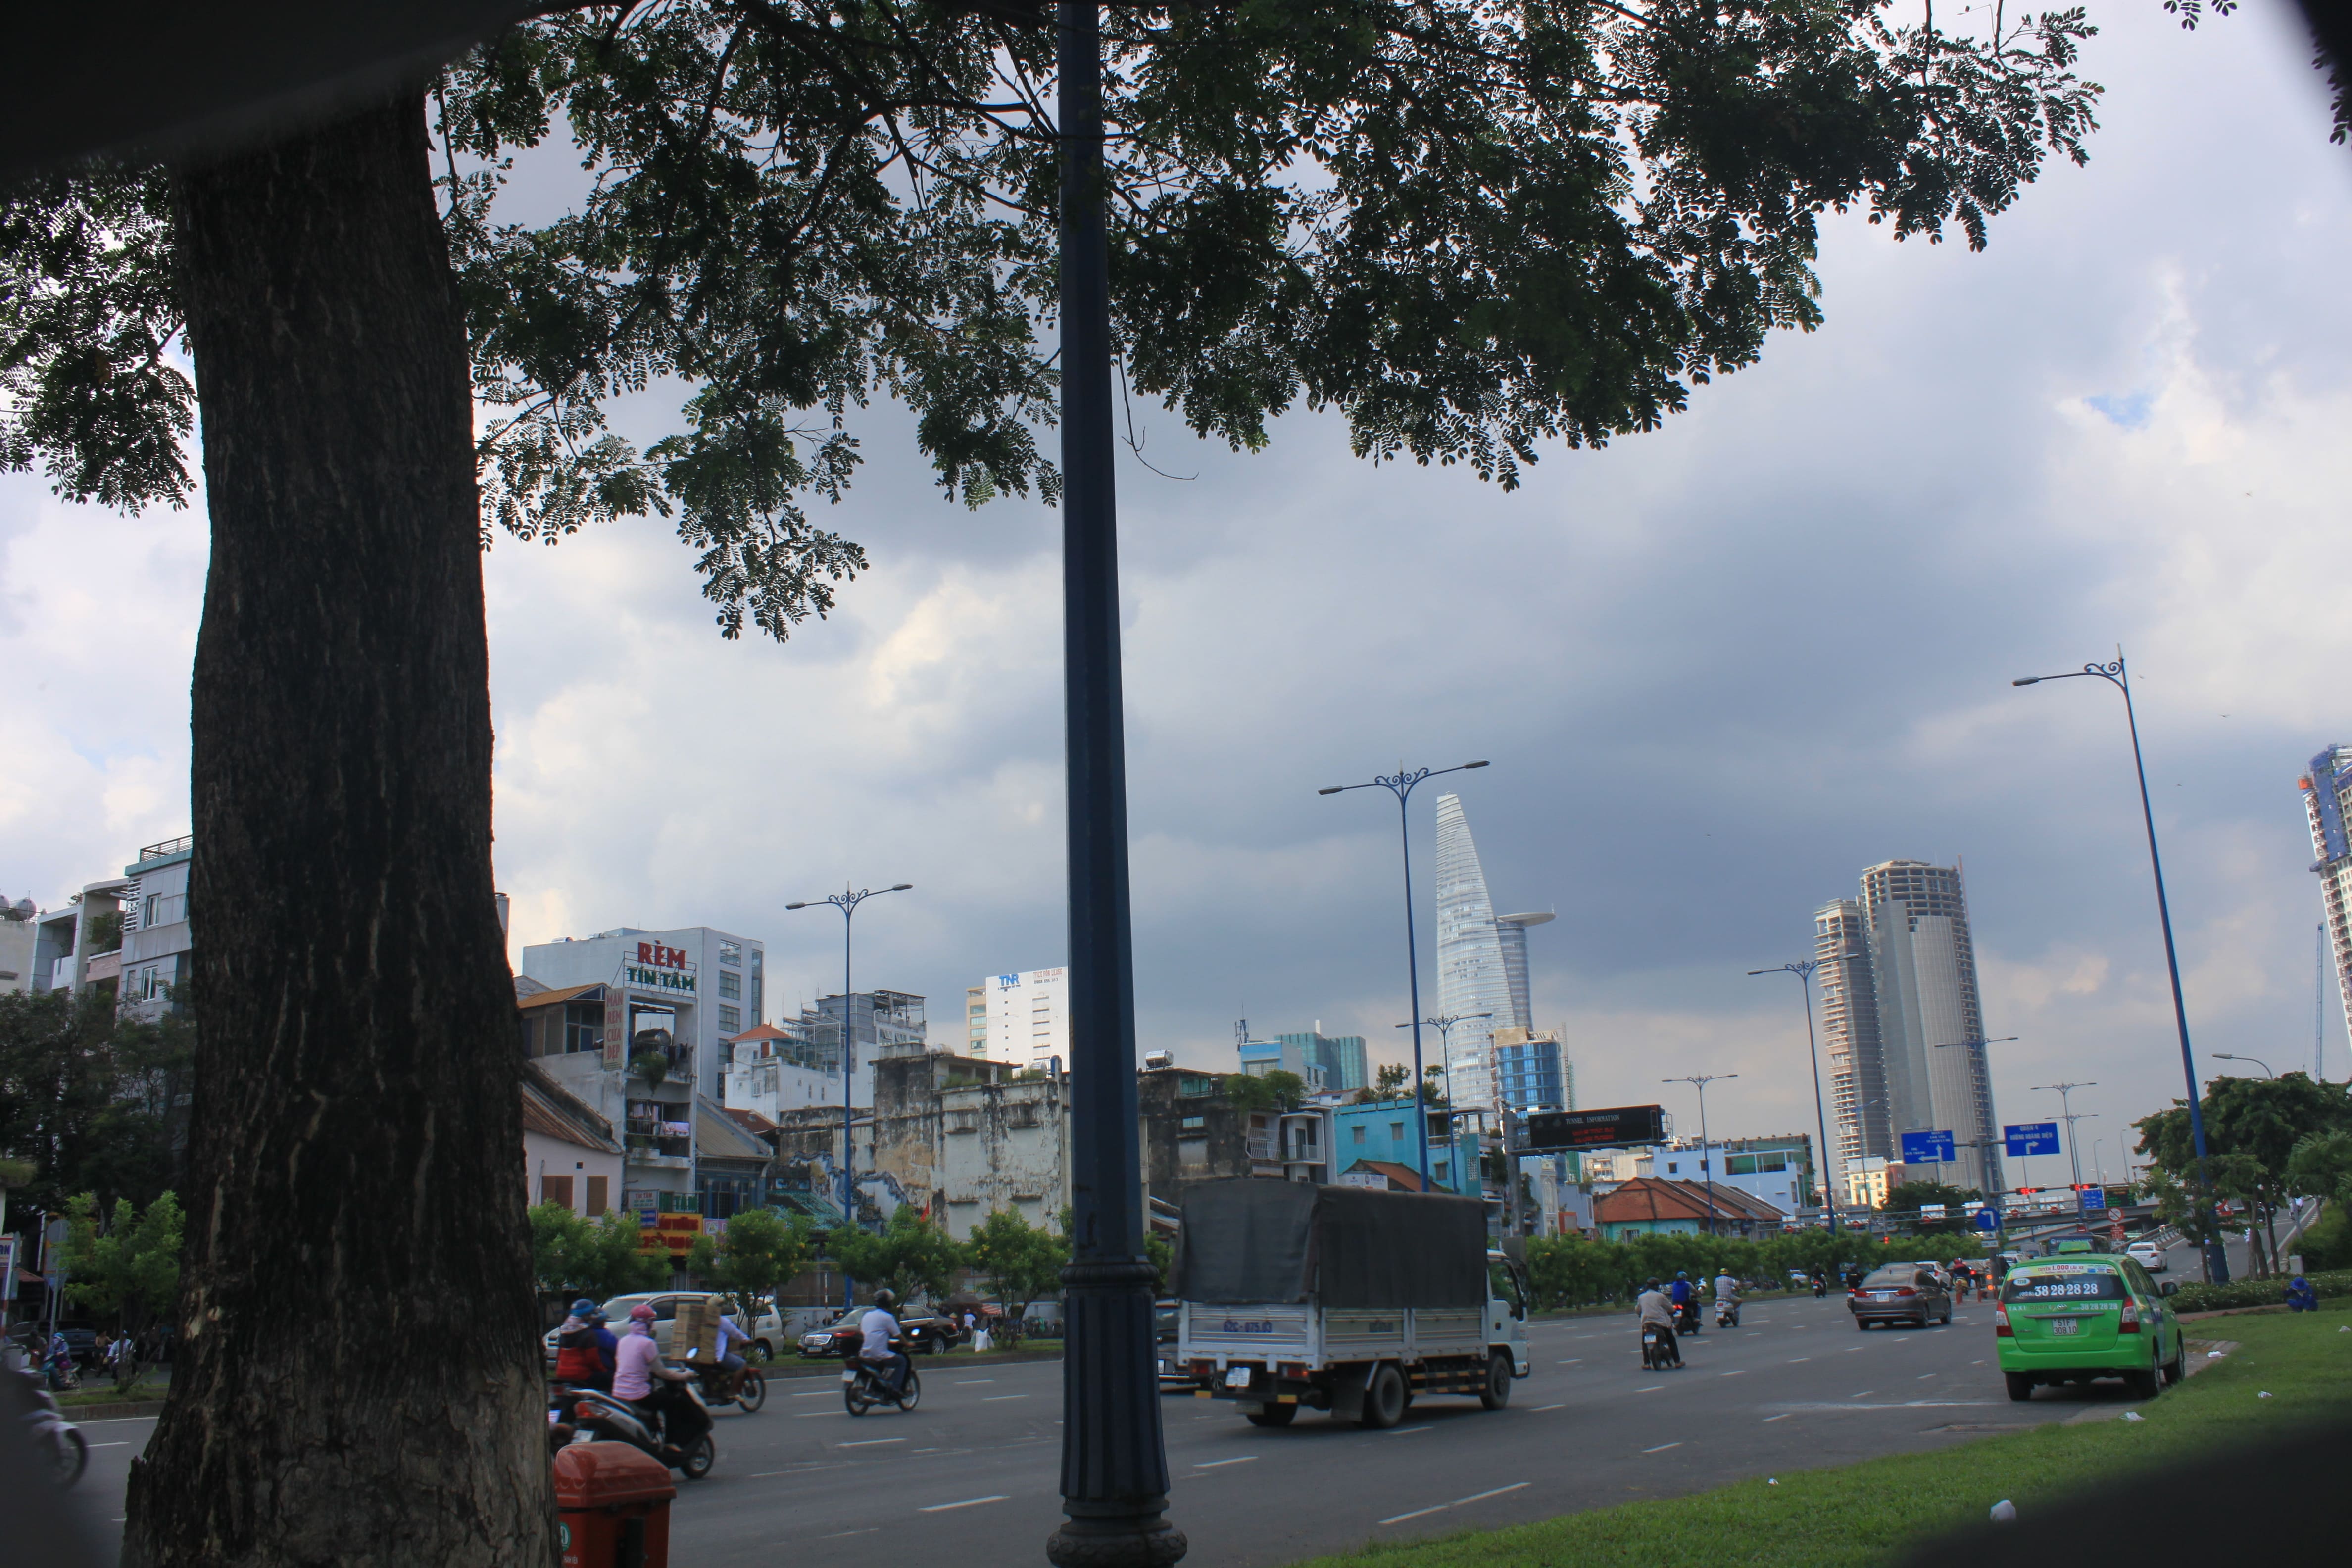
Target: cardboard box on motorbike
<point>696,1329</point>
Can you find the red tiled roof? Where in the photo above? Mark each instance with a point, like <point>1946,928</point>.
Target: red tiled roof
<point>1404,1177</point>
<point>550,998</point>
<point>751,1122</point>
<point>761,1032</point>
<point>1652,1198</point>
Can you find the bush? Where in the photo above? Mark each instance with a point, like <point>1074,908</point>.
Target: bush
<point>2327,1245</point>
<point>2204,1298</point>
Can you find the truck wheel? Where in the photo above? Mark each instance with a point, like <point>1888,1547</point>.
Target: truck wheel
<point>1384,1400</point>
<point>1272,1414</point>
<point>1498,1392</point>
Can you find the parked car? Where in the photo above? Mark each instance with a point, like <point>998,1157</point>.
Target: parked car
<point>2148,1256</point>
<point>927,1334</point>
<point>767,1332</point>
<point>1900,1293</point>
<point>2086,1316</point>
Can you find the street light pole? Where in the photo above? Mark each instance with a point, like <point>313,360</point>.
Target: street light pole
<point>2217,1260</point>
<point>846,901</point>
<point>1444,1027</point>
<point>1114,1454</point>
<point>1400,784</point>
<point>1706,1148</point>
<point>2065,1092</point>
<point>2226,1056</point>
<point>1804,973</point>
<point>1987,1167</point>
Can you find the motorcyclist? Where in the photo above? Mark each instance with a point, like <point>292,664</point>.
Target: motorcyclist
<point>639,1377</point>
<point>585,1349</point>
<point>1657,1312</point>
<point>1820,1281</point>
<point>1684,1299</point>
<point>880,1327</point>
<point>1726,1293</point>
<point>731,1334</point>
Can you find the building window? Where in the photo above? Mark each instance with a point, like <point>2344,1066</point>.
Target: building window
<point>162,908</point>
<point>584,1028</point>
<point>730,1020</point>
<point>730,953</point>
<point>1196,1123</point>
<point>555,1189</point>
<point>597,1201</point>
<point>1396,1130</point>
<point>1358,1130</point>
<point>730,986</point>
<point>1192,1153</point>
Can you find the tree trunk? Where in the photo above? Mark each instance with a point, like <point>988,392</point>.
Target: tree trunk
<point>357,1380</point>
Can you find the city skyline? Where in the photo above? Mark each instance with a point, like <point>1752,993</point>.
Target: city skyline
<point>1656,642</point>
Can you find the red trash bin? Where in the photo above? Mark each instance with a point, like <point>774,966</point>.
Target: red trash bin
<point>612,1504</point>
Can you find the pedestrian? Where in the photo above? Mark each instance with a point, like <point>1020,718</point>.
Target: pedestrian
<point>2301,1296</point>
<point>980,1342</point>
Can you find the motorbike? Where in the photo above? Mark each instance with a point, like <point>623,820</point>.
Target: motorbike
<point>1687,1316</point>
<point>865,1384</point>
<point>590,1415</point>
<point>1820,1286</point>
<point>1657,1353</point>
<point>712,1378</point>
<point>64,1451</point>
<point>1726,1312</point>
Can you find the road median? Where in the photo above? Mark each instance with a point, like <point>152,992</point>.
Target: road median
<point>2287,1370</point>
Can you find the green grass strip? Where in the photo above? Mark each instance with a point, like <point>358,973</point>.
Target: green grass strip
<point>1873,1512</point>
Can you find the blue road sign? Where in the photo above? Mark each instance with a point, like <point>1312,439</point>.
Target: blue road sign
<point>1926,1148</point>
<point>1988,1219</point>
<point>2092,1198</point>
<point>2023,1138</point>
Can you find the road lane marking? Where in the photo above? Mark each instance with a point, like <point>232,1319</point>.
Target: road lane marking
<point>994,1397</point>
<point>820,1393</point>
<point>1925,1377</point>
<point>1976,1363</point>
<point>1416,1514</point>
<point>1795,1359</point>
<point>968,1381</point>
<point>869,1443</point>
<point>1409,1431</point>
<point>967,1502</point>
<point>1662,1447</point>
<point>1782,1416</point>
<point>1212,1464</point>
<point>1541,1408</point>
<point>806,1415</point>
<point>1864,1394</point>
<point>837,1535</point>
<point>1652,1389</point>
<point>1568,1361</point>
<point>1852,1349</point>
<point>124,1444</point>
<point>1741,1372</point>
<point>1457,1502</point>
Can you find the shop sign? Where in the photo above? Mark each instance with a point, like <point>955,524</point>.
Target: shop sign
<point>616,1026</point>
<point>654,955</point>
<point>656,979</point>
<point>670,1233</point>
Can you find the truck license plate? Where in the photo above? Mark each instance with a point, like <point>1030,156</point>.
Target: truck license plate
<point>1237,1377</point>
<point>2065,1325</point>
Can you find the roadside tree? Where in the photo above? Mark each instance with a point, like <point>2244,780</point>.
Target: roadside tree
<point>1472,231</point>
<point>2259,1120</point>
<point>911,1254</point>
<point>759,1254</point>
<point>126,1270</point>
<point>1910,1197</point>
<point>1020,1262</point>
<point>598,1258</point>
<point>86,1097</point>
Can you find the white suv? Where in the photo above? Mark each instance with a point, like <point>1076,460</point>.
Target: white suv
<point>2148,1256</point>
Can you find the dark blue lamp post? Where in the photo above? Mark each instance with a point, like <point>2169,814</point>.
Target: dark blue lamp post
<point>846,902</point>
<point>1400,784</point>
<point>1706,1148</point>
<point>2217,1261</point>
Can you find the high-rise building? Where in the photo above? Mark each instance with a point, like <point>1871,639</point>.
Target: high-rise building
<point>1850,1035</point>
<point>1930,1019</point>
<point>2327,798</point>
<point>1529,1074</point>
<point>1028,1017</point>
<point>975,1020</point>
<point>1482,962</point>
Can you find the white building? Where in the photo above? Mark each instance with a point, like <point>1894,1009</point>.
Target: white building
<point>702,986</point>
<point>1028,1017</point>
<point>570,1155</point>
<point>1868,1180</point>
<point>19,935</point>
<point>2327,788</point>
<point>1930,1020</point>
<point>127,935</point>
<point>1482,968</point>
<point>771,1070</point>
<point>1772,1169</point>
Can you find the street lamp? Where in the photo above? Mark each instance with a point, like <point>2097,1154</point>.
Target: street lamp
<point>2065,1092</point>
<point>1444,1027</point>
<point>2217,1261</point>
<point>846,902</point>
<point>2099,1160</point>
<point>2226,1056</point>
<point>1400,784</point>
<point>1987,1166</point>
<point>1705,1149</point>
<point>1804,973</point>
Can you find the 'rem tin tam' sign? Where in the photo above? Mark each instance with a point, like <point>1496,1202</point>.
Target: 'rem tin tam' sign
<point>660,967</point>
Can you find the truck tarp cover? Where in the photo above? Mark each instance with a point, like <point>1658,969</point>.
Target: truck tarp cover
<point>1255,1241</point>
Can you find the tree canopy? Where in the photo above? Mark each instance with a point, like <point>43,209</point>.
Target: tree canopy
<point>87,1098</point>
<point>598,1257</point>
<point>1472,228</point>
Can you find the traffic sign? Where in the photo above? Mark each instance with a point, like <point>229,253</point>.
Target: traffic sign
<point>2024,1138</point>
<point>2091,1198</point>
<point>1927,1148</point>
<point>1988,1219</point>
<point>1620,1127</point>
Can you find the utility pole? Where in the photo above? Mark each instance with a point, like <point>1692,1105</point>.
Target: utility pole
<point>1705,1147</point>
<point>2068,1115</point>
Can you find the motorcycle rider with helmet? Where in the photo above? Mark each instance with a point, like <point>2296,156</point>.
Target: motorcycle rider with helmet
<point>1727,1298</point>
<point>639,1377</point>
<point>880,1326</point>
<point>585,1349</point>
<point>1685,1302</point>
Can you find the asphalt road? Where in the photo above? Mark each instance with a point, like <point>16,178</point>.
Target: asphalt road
<point>971,1477</point>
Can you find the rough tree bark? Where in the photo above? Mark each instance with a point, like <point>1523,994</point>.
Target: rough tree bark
<point>357,1381</point>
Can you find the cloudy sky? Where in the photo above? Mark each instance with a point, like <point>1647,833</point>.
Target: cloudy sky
<point>1718,668</point>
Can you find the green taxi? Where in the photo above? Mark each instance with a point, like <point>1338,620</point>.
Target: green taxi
<point>2082,1315</point>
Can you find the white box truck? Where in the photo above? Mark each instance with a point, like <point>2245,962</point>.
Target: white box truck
<point>1343,1299</point>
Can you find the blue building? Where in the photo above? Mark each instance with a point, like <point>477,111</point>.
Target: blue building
<point>1528,1072</point>
<point>1380,1137</point>
<point>1333,1063</point>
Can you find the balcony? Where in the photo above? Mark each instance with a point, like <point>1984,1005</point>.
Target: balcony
<point>1259,1146</point>
<point>169,847</point>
